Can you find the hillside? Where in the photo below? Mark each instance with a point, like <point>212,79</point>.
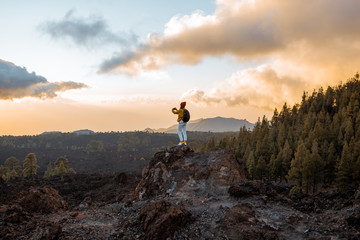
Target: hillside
<point>218,124</point>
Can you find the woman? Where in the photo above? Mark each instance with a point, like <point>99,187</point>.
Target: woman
<point>182,124</point>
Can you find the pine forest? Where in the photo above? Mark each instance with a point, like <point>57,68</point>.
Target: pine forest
<point>314,144</point>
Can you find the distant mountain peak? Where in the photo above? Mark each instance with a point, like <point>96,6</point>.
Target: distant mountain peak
<point>77,132</point>
<point>50,132</point>
<point>83,132</point>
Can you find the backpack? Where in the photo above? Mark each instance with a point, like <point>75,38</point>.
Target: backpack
<point>186,116</point>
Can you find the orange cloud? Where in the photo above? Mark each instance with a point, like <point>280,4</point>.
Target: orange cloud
<point>261,87</point>
<point>247,30</point>
<point>305,44</point>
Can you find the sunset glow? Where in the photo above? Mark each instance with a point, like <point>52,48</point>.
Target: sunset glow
<point>122,65</point>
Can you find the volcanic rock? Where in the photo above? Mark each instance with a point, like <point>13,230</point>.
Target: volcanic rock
<point>181,195</point>
<point>244,189</point>
<point>41,200</point>
<point>160,219</point>
<point>179,172</point>
<point>242,223</point>
<point>51,231</point>
<point>35,200</point>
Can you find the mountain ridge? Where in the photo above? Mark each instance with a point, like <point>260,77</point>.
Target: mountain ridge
<point>216,124</point>
<point>77,132</point>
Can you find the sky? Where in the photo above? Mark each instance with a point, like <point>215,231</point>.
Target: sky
<point>122,65</point>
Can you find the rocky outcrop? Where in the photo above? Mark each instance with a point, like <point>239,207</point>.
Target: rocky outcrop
<point>179,172</point>
<point>213,188</point>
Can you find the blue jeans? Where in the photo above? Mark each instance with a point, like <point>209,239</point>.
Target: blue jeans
<point>182,131</point>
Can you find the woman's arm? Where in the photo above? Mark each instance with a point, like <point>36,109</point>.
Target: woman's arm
<point>175,111</point>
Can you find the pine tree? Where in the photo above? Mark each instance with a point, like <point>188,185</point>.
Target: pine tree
<point>307,172</point>
<point>60,169</point>
<point>251,165</point>
<point>286,157</point>
<point>349,130</point>
<point>272,168</point>
<point>62,166</point>
<point>10,174</point>
<point>261,169</point>
<point>49,171</point>
<point>345,167</point>
<point>30,166</point>
<point>12,168</point>
<point>295,172</point>
<point>277,169</point>
<point>317,171</point>
<point>281,138</point>
<point>247,151</point>
<point>330,164</point>
<point>274,120</point>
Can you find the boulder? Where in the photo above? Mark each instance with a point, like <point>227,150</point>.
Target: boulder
<point>161,219</point>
